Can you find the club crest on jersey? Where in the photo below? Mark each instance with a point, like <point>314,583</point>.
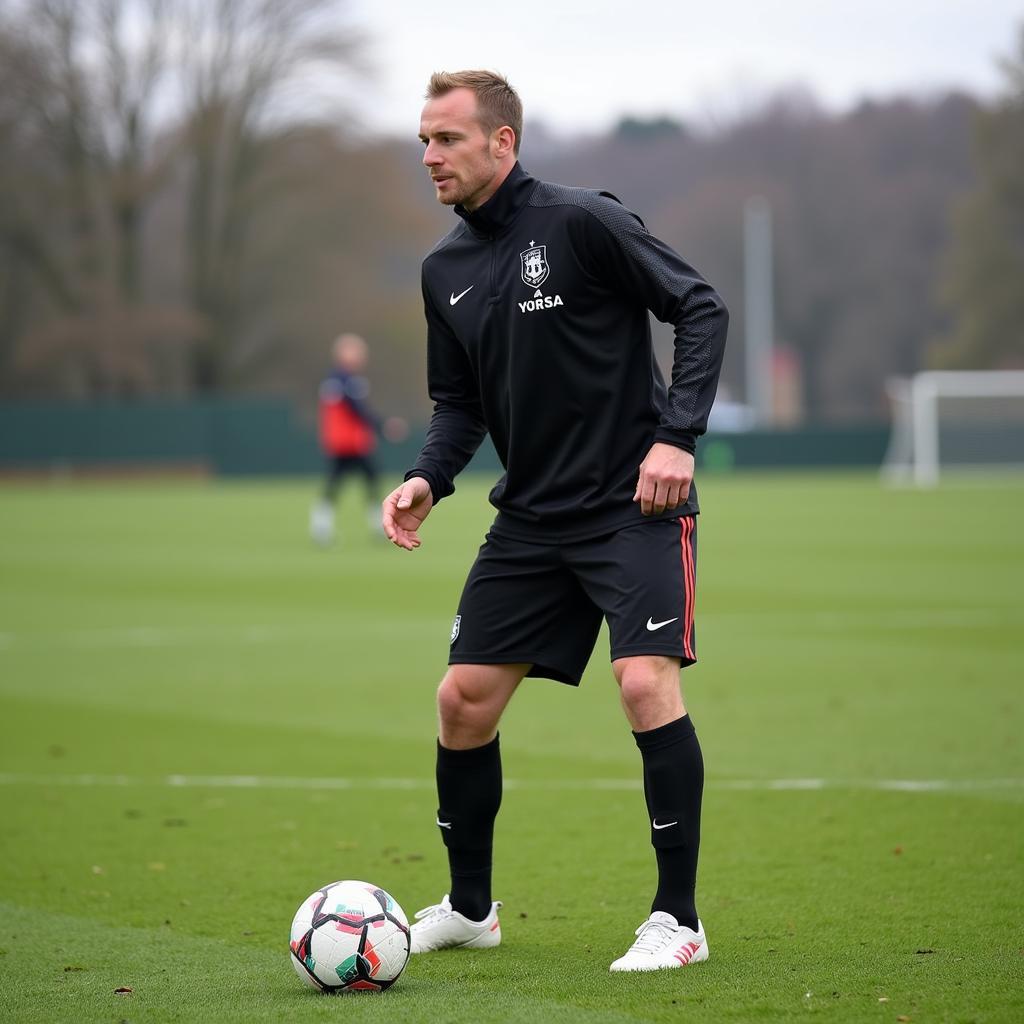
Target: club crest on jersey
<point>455,629</point>
<point>535,265</point>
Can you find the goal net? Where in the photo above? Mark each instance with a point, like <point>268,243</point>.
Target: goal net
<point>950,419</point>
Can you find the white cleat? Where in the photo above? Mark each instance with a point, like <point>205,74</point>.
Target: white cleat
<point>375,525</point>
<point>662,942</point>
<point>321,523</point>
<point>440,927</point>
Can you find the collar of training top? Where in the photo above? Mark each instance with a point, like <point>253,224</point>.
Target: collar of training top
<point>503,207</point>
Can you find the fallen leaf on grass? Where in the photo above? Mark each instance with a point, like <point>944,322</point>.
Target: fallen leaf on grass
<point>123,990</point>
<point>903,1018</point>
<point>897,850</point>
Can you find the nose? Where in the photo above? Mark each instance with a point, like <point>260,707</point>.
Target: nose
<point>431,158</point>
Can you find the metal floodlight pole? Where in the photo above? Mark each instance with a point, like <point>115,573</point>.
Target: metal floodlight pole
<point>760,314</point>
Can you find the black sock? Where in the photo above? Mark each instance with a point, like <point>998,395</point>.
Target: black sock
<point>469,794</point>
<point>673,786</point>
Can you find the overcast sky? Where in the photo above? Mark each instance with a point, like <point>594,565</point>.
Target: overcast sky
<point>580,66</point>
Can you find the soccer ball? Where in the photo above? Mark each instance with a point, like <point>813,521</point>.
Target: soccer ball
<point>349,936</point>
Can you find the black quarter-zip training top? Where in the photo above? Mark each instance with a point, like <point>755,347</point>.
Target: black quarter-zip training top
<point>538,333</point>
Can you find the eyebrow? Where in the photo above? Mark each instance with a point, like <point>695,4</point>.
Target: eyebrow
<point>453,132</point>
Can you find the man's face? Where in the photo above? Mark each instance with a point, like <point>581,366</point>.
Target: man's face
<point>458,152</point>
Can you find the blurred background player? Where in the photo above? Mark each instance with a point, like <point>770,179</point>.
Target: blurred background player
<point>348,435</point>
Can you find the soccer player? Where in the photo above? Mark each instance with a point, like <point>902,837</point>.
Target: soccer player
<point>538,333</point>
<point>348,434</point>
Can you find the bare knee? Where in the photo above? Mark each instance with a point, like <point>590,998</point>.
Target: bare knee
<point>455,701</point>
<point>649,689</point>
<point>470,701</point>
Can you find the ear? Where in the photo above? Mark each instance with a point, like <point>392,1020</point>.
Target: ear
<point>503,142</point>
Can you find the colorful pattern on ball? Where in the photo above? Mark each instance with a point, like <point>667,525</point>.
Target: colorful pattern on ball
<point>349,936</point>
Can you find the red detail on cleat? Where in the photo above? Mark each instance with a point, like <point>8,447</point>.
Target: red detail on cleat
<point>494,927</point>
<point>685,952</point>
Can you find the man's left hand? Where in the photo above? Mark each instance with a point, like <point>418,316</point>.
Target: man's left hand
<point>665,477</point>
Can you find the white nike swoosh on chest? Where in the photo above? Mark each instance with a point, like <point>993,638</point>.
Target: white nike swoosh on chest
<point>455,298</point>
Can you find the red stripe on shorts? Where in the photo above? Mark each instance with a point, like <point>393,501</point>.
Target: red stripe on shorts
<point>689,580</point>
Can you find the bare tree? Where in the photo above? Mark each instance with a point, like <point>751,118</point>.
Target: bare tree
<point>122,109</point>
<point>128,81</point>
<point>86,101</point>
<point>243,57</point>
<point>986,264</point>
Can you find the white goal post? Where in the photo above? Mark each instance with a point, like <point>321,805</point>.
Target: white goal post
<point>919,405</point>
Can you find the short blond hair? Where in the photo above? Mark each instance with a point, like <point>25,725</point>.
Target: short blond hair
<point>497,103</point>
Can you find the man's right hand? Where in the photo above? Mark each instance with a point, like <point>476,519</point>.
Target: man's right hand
<point>404,509</point>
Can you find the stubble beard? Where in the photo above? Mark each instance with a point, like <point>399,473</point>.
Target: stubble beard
<point>452,196</point>
<point>466,189</point>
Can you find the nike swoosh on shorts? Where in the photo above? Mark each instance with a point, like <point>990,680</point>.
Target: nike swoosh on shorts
<point>652,625</point>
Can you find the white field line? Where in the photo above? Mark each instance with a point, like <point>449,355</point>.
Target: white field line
<point>304,783</point>
<point>105,638</point>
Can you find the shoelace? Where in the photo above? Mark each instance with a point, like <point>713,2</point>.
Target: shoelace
<point>439,910</point>
<point>651,935</point>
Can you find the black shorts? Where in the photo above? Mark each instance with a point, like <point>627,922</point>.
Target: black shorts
<point>542,604</point>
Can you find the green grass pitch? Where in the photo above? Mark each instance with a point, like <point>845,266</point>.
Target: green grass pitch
<point>179,666</point>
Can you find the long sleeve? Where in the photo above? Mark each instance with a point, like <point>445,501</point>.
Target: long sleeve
<point>629,259</point>
<point>457,424</point>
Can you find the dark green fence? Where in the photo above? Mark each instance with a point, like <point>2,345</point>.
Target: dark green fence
<point>233,437</point>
